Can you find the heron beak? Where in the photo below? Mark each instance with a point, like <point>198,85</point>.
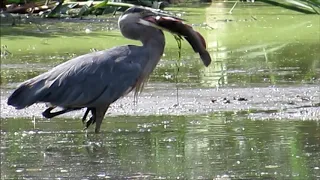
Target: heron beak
<point>176,26</point>
<point>150,21</point>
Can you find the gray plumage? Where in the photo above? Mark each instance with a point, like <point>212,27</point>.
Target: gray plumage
<point>96,80</point>
<point>86,81</point>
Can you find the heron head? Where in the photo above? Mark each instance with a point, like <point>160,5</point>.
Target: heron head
<point>136,23</point>
<point>142,21</point>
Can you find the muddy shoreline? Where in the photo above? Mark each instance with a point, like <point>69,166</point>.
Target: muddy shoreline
<point>263,103</point>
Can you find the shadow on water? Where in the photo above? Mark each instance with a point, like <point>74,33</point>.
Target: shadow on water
<point>189,147</point>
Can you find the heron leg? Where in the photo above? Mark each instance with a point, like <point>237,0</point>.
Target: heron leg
<point>92,119</point>
<point>48,114</point>
<point>85,115</point>
<point>100,112</point>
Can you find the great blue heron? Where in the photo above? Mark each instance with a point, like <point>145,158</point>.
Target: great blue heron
<point>96,80</point>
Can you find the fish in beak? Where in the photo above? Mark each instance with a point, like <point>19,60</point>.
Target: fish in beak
<point>175,25</point>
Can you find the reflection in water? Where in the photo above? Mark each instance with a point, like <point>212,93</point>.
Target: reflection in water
<point>250,47</point>
<point>272,65</point>
<point>215,75</point>
<point>250,65</point>
<point>244,63</point>
<point>264,49</point>
<point>197,147</point>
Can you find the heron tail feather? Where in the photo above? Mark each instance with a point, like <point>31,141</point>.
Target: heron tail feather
<point>27,94</point>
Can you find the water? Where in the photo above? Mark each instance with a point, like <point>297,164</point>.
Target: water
<point>254,113</point>
<point>170,147</point>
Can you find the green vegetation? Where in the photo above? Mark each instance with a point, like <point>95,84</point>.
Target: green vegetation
<point>266,37</point>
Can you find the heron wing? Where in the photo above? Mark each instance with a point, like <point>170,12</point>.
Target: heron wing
<point>93,79</point>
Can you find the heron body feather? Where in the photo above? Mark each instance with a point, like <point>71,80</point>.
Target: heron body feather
<point>97,79</point>
<point>89,80</point>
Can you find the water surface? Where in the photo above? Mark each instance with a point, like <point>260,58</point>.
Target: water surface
<point>161,147</point>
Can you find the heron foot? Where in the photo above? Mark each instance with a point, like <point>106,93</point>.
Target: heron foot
<point>89,122</point>
<point>48,114</point>
<point>92,119</point>
<point>96,118</point>
<point>85,115</point>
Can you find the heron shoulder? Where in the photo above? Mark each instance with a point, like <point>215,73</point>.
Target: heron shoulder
<point>74,83</point>
<point>92,61</point>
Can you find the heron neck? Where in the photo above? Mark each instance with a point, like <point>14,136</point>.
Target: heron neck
<point>155,43</point>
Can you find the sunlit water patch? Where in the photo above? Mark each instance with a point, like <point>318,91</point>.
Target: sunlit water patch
<point>246,66</point>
